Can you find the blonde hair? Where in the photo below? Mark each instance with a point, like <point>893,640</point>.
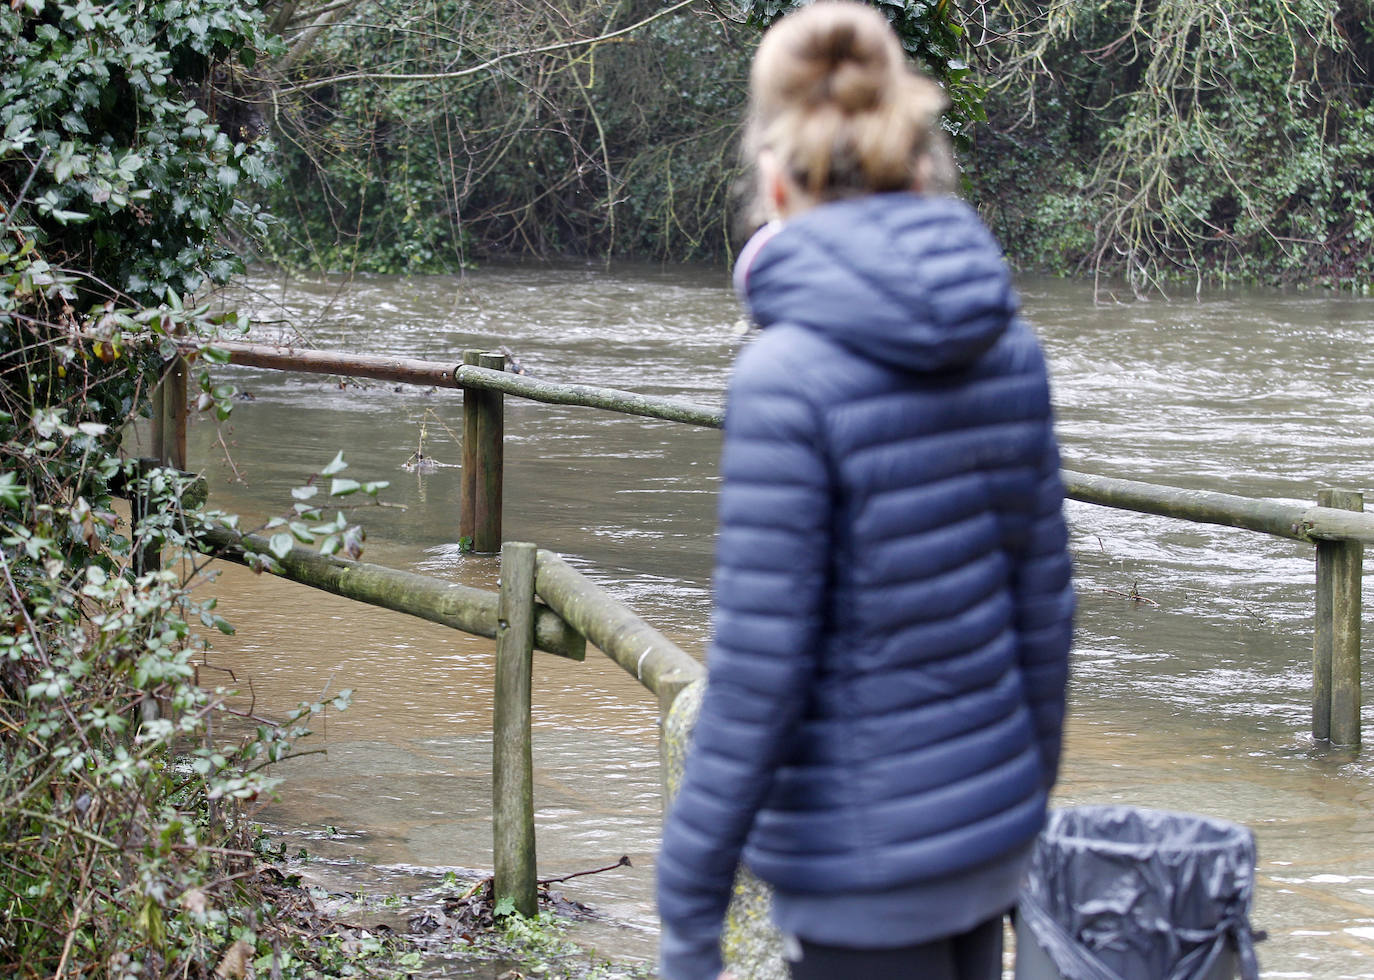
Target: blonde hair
<point>833,98</point>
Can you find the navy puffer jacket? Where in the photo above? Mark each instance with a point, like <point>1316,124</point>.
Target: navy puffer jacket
<point>892,591</point>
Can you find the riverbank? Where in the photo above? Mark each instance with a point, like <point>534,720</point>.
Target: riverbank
<point>313,916</point>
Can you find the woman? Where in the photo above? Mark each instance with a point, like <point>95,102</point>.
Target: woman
<point>882,719</point>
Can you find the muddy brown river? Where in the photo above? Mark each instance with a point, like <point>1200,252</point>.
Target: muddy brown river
<point>1195,700</point>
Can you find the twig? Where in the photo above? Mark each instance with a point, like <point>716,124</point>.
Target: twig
<point>624,862</point>
<point>228,457</point>
<point>1134,595</point>
<point>18,201</point>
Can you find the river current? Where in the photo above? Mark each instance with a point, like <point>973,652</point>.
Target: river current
<point>1192,664</point>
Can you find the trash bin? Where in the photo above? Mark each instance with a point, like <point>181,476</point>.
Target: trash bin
<point>1125,893</point>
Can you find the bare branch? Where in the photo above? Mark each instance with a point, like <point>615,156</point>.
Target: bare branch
<point>473,69</point>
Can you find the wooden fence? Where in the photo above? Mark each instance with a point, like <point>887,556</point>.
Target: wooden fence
<point>1335,525</point>
<point>573,610</point>
<point>545,604</point>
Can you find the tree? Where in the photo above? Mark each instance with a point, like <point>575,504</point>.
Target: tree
<point>1181,138</point>
<point>931,32</point>
<point>417,134</point>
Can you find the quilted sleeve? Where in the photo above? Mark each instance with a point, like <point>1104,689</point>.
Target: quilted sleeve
<point>770,581</point>
<point>1043,587</point>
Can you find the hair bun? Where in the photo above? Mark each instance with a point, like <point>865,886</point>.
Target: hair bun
<point>855,87</point>
<point>833,99</point>
<point>847,68</point>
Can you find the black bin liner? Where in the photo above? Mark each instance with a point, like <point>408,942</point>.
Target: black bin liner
<point>1125,893</point>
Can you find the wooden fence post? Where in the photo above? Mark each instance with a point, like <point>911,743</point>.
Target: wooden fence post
<point>467,497</point>
<point>479,521</point>
<point>512,760</point>
<point>159,423</point>
<point>170,413</point>
<point>1336,698</point>
<point>147,556</point>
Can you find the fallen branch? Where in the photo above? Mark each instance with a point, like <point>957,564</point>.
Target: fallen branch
<point>624,862</point>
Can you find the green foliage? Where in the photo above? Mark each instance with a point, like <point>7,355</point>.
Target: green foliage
<point>121,149</point>
<point>401,153</point>
<point>309,523</point>
<point>540,944</point>
<point>121,840</point>
<point>1183,139</point>
<point>120,847</point>
<point>619,146</point>
<point>110,781</point>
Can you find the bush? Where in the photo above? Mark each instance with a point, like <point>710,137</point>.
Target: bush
<point>122,145</point>
<point>119,849</point>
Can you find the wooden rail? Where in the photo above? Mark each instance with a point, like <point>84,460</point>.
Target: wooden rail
<point>1325,522</point>
<point>645,653</point>
<point>1337,525</point>
<point>460,607</point>
<point>467,374</point>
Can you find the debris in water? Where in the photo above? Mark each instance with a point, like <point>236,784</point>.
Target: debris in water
<point>1134,595</point>
<point>513,364</point>
<point>420,463</point>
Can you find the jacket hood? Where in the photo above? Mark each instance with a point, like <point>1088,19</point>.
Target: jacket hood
<point>911,280</point>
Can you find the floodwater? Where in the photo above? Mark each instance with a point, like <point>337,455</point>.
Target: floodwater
<point>1193,697</point>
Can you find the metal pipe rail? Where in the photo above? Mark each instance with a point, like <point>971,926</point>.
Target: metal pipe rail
<point>406,370</point>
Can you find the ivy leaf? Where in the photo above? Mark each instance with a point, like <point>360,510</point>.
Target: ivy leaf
<point>11,490</point>
<point>280,545</point>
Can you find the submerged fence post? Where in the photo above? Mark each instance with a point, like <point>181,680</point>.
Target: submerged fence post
<point>479,521</point>
<point>491,429</point>
<point>512,759</point>
<point>467,497</point>
<point>1336,698</point>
